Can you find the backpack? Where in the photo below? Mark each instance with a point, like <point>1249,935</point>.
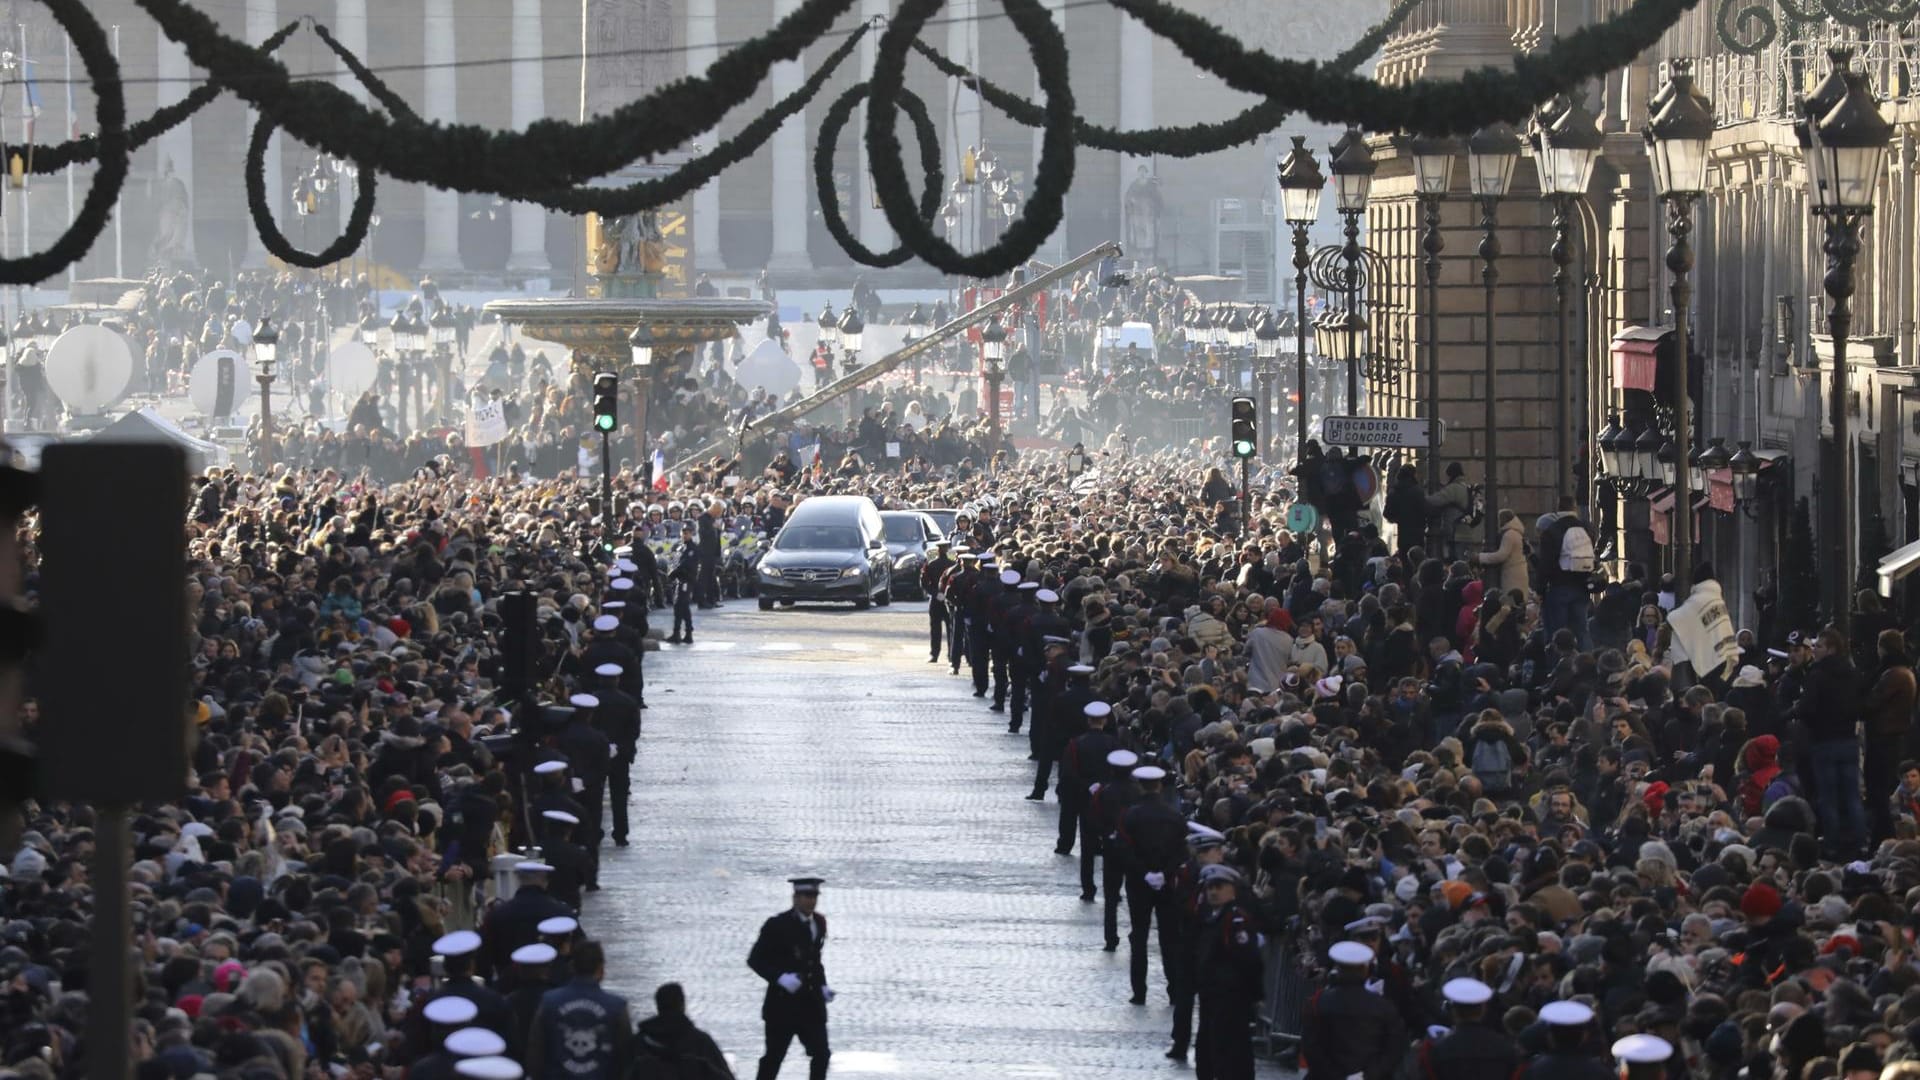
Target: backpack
<point>1493,764</point>
<point>1576,549</point>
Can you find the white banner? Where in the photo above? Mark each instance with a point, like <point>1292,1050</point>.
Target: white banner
<point>486,424</point>
<point>1703,630</point>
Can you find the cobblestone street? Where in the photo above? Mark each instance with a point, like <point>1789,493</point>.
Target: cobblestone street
<point>821,741</point>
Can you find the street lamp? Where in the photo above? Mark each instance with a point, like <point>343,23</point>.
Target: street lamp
<point>370,329</point>
<point>1677,140</point>
<point>1351,162</point>
<point>1745,466</point>
<point>993,361</point>
<point>1567,151</point>
<point>1266,351</point>
<point>1200,330</point>
<point>640,347</point>
<point>1432,177</point>
<point>1492,154</point>
<point>1301,185</point>
<point>266,349</point>
<point>443,331</point>
<point>1845,140</point>
<point>852,327</point>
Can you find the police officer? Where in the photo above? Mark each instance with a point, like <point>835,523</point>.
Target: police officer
<point>439,1019</point>
<point>787,956</point>
<point>618,721</point>
<point>590,755</point>
<point>1045,635</point>
<point>1058,715</point>
<point>1000,635</point>
<point>1023,658</point>
<point>958,590</point>
<point>1154,835</point>
<point>986,589</point>
<point>613,643</point>
<point>1206,847</point>
<point>554,790</point>
<point>516,922</point>
<point>1079,770</point>
<point>1226,975</point>
<point>1348,1029</point>
<point>933,577</point>
<point>1472,1048</point>
<point>1100,827</point>
<point>464,1045</point>
<point>582,1032</point>
<point>1569,1028</point>
<point>532,978</point>
<point>458,951</point>
<point>683,582</point>
<point>1644,1057</point>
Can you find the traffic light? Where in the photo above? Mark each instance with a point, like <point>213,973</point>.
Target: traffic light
<point>1246,427</point>
<point>606,401</point>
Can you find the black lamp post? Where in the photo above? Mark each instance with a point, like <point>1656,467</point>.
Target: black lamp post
<point>266,351</point>
<point>1300,187</point>
<point>1845,139</point>
<point>993,363</point>
<point>1266,351</point>
<point>1237,337</point>
<point>1677,139</point>
<point>1351,162</point>
<point>1492,153</point>
<point>444,333</point>
<point>1432,176</point>
<point>1568,148</point>
<point>852,328</point>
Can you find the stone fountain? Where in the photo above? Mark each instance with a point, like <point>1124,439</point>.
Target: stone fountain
<point>639,262</point>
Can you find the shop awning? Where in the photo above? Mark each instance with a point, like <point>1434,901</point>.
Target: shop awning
<point>1636,354</point>
<point>1898,564</point>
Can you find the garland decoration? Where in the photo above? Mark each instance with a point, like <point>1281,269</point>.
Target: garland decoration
<point>698,171</point>
<point>42,160</point>
<point>110,144</point>
<point>276,242</point>
<point>1184,141</point>
<point>375,85</point>
<point>924,133</point>
<point>1053,176</point>
<point>1749,29</point>
<point>1457,107</point>
<point>466,157</point>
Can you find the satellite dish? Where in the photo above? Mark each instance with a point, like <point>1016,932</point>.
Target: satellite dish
<point>351,369</point>
<point>218,383</point>
<point>770,368</point>
<point>241,334</point>
<point>90,367</point>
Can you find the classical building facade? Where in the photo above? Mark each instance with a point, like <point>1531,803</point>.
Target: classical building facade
<point>1758,318</point>
<point>506,63</point>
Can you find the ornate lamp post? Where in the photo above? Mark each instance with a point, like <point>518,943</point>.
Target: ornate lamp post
<point>1677,139</point>
<point>852,328</point>
<point>1845,140</point>
<point>993,363</point>
<point>443,330</point>
<point>1432,177</point>
<point>1352,165</point>
<point>1300,187</point>
<point>1567,150</point>
<point>1492,153</point>
<point>266,349</point>
<point>1237,338</point>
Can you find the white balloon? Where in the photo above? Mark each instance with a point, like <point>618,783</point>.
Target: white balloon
<point>90,368</point>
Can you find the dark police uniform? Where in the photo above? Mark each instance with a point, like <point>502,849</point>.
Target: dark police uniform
<point>790,943</point>
<point>1474,1050</point>
<point>1227,977</point>
<point>1348,1029</point>
<point>516,923</point>
<point>1564,1065</point>
<point>933,577</point>
<point>1154,835</point>
<point>986,589</point>
<point>618,720</point>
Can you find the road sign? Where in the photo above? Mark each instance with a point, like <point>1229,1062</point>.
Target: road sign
<point>1382,431</point>
<point>1302,518</point>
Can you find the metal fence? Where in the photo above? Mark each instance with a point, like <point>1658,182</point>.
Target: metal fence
<point>1287,988</point>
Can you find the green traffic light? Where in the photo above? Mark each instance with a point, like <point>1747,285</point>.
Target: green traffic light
<point>603,423</point>
<point>1242,448</point>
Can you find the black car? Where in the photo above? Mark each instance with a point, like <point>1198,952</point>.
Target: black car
<point>833,547</point>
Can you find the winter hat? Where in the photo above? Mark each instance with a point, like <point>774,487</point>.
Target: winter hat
<point>1762,901</point>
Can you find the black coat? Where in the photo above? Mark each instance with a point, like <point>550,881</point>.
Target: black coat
<point>1349,1029</point>
<point>1830,703</point>
<point>513,924</point>
<point>1471,1051</point>
<point>786,947</point>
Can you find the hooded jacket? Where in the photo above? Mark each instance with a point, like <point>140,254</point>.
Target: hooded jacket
<point>1510,557</point>
<point>1760,761</point>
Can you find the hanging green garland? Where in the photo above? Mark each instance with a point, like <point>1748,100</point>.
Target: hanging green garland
<point>271,238</point>
<point>384,94</point>
<point>1183,141</point>
<point>110,112</point>
<point>465,157</point>
<point>1024,235</point>
<point>823,152</point>
<point>1453,107</point>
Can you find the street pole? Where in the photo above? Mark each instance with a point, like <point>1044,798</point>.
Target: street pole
<point>1302,259</point>
<point>1246,497</point>
<point>1432,245</point>
<point>266,423</point>
<point>606,490</point>
<point>993,407</point>
<point>1680,264</point>
<point>1562,434</point>
<point>1489,277</point>
<point>1842,248</point>
<point>1351,253</point>
<point>110,975</point>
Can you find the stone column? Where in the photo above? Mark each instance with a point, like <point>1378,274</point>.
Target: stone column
<point>262,19</point>
<point>1136,98</point>
<point>790,172</point>
<point>350,27</point>
<point>442,207</point>
<point>528,222</point>
<point>873,229</point>
<point>176,146</point>
<point>702,33</point>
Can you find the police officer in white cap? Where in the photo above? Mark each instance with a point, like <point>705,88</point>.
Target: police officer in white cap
<point>616,644</point>
<point>1473,1048</point>
<point>534,974</point>
<point>458,952</point>
<point>1155,847</point>
<point>1347,1029</point>
<point>1643,1057</point>
<point>438,1020</point>
<point>590,755</point>
<point>517,921</point>
<point>1569,1054</point>
<point>618,721</point>
<point>1100,827</point>
<point>1081,766</point>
